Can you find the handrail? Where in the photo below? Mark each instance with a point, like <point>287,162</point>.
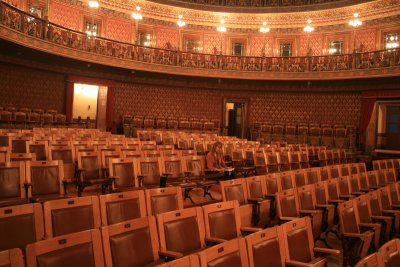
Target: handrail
<point>258,4</point>
<point>28,24</point>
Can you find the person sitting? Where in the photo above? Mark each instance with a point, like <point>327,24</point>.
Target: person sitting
<point>215,161</point>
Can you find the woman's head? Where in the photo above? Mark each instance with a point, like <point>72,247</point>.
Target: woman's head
<point>217,146</point>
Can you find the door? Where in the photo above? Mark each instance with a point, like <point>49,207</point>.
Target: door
<point>393,127</point>
<point>235,117</point>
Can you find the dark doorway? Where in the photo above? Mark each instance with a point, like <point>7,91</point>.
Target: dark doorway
<point>235,117</point>
<point>393,127</point>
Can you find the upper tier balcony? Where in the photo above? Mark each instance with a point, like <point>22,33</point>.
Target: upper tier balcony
<point>24,29</point>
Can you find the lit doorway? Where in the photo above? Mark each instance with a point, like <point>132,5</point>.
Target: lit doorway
<point>235,117</point>
<point>90,102</point>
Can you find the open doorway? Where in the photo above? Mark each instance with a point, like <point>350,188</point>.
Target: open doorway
<point>235,117</point>
<point>388,126</point>
<point>90,103</point>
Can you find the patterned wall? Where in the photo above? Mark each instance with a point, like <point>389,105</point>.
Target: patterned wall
<point>64,15</point>
<point>335,108</point>
<point>153,101</point>
<point>368,38</point>
<point>165,35</point>
<point>21,87</point>
<point>118,29</point>
<point>257,44</point>
<point>316,44</point>
<point>21,4</point>
<point>212,41</point>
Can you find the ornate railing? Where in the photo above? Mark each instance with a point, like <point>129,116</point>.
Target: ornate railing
<point>27,24</point>
<point>256,3</point>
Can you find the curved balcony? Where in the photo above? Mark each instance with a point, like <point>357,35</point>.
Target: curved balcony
<point>22,28</point>
<point>257,5</point>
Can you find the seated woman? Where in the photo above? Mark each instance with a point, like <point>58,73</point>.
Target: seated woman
<point>216,163</point>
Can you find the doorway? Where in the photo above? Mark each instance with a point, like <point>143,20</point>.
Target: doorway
<point>90,102</point>
<point>388,127</point>
<point>235,117</point>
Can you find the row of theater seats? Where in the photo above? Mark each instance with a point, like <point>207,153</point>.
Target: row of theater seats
<point>135,241</point>
<point>367,222</point>
<point>314,135</point>
<point>28,110</point>
<point>297,195</point>
<point>186,124</point>
<point>133,168</point>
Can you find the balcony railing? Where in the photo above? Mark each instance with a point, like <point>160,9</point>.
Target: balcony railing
<point>256,3</point>
<point>27,24</point>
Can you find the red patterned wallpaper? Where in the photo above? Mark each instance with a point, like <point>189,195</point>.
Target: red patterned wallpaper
<point>316,44</point>
<point>330,108</point>
<point>165,35</point>
<point>212,42</point>
<point>64,15</point>
<point>21,4</point>
<point>118,29</point>
<point>257,44</point>
<point>153,101</point>
<point>366,38</point>
<point>23,87</point>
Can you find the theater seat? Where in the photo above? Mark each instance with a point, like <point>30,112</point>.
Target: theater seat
<point>231,253</point>
<point>181,232</point>
<point>71,215</point>
<point>44,180</point>
<point>12,178</point>
<point>124,206</point>
<point>20,225</point>
<point>222,222</point>
<point>390,253</point>
<point>131,243</point>
<point>356,244</point>
<point>161,200</point>
<point>299,244</point>
<point>266,248</point>
<point>78,249</point>
<point>370,261</point>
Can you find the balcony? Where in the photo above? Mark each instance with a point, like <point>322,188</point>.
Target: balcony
<point>23,28</point>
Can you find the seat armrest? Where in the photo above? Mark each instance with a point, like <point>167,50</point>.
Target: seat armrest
<point>250,229</point>
<point>381,218</point>
<point>288,218</point>
<point>357,235</point>
<point>170,254</point>
<point>391,211</point>
<point>335,252</point>
<point>336,201</point>
<point>366,190</point>
<point>257,200</point>
<point>367,225</point>
<point>325,206</point>
<point>214,240</point>
<point>301,264</point>
<point>310,211</point>
<point>346,196</point>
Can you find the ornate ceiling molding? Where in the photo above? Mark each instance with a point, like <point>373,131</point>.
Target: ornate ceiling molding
<point>161,14</point>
